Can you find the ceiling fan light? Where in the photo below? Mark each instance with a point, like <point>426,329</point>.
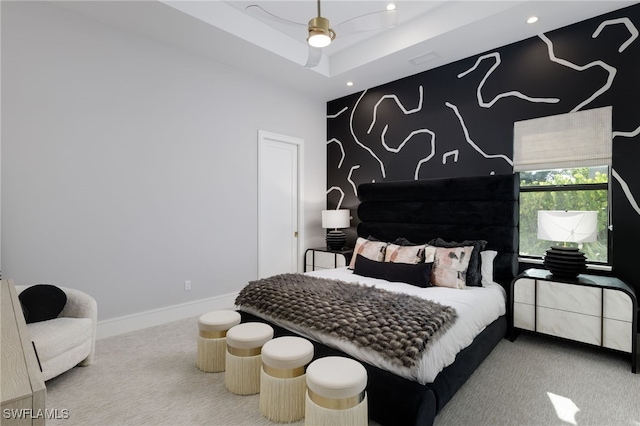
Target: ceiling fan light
<point>318,39</point>
<point>320,35</point>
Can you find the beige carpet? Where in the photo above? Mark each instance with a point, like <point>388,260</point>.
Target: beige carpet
<point>149,377</point>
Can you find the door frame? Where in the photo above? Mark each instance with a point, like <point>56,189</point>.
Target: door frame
<point>263,137</point>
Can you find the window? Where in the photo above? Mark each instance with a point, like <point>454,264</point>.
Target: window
<point>582,188</point>
<point>564,162</point>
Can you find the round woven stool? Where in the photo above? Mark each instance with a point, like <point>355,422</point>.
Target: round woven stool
<point>244,363</point>
<point>212,342</point>
<point>282,381</point>
<point>336,392</point>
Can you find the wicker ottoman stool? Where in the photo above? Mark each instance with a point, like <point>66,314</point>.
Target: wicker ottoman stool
<point>212,342</point>
<point>282,381</point>
<point>336,392</point>
<point>244,363</point>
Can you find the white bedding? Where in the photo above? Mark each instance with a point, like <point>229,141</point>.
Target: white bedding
<point>477,307</point>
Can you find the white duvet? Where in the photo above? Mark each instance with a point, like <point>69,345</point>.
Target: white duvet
<point>477,307</point>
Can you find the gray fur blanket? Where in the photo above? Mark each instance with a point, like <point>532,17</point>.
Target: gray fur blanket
<point>398,326</point>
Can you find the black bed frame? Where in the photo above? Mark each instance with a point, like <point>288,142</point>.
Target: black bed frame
<point>456,209</point>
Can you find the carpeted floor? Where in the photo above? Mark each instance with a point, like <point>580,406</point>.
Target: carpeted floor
<point>149,377</point>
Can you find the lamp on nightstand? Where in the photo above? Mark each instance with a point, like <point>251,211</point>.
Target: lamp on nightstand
<point>334,219</point>
<point>567,227</point>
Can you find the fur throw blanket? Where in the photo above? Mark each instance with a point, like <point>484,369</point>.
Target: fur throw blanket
<point>398,326</point>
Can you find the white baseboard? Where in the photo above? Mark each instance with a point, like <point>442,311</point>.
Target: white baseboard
<point>133,322</point>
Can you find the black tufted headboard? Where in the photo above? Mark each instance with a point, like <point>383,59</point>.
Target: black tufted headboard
<point>455,209</point>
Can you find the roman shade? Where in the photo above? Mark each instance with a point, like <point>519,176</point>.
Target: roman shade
<point>575,139</point>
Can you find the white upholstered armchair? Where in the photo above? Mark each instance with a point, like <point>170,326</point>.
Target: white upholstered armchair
<point>68,340</point>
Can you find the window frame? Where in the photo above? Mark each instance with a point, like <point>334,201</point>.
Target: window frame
<point>577,187</point>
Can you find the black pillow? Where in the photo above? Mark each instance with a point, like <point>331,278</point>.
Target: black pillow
<point>402,241</point>
<point>415,274</point>
<point>474,271</point>
<point>42,302</point>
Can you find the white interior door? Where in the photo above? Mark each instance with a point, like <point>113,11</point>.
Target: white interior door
<point>279,211</point>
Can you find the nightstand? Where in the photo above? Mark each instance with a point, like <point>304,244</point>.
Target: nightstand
<point>593,309</point>
<point>325,258</point>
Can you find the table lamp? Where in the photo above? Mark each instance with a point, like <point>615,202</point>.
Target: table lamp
<point>334,219</point>
<point>567,227</point>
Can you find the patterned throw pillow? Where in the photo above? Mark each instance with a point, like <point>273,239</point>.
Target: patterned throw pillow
<point>404,254</point>
<point>429,253</point>
<point>450,266</point>
<point>373,250</point>
<point>475,262</point>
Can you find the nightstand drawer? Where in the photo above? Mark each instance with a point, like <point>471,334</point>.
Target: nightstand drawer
<point>618,305</point>
<point>569,297</point>
<point>570,325</point>
<point>524,291</point>
<point>617,335</point>
<point>524,316</point>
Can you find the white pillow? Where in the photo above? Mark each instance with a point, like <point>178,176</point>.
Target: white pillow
<point>486,270</point>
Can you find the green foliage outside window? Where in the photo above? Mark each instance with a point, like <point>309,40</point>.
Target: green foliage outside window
<point>563,197</point>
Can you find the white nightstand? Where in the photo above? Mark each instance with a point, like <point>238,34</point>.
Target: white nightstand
<point>594,309</point>
<point>325,258</point>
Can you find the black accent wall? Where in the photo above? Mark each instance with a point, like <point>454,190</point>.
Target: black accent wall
<point>457,120</point>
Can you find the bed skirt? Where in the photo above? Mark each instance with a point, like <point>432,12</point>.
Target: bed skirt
<point>394,400</point>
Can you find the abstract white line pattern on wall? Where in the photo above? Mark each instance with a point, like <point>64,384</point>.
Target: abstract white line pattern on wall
<point>350,180</point>
<point>394,97</point>
<point>428,157</point>
<point>631,134</point>
<point>402,144</point>
<point>468,138</point>
<point>334,140</point>
<point>337,114</point>
<point>626,190</point>
<point>611,70</point>
<point>337,188</point>
<point>453,154</point>
<point>625,21</point>
<point>355,138</point>
<point>514,93</point>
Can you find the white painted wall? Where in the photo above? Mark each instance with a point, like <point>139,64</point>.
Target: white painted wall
<point>130,166</point>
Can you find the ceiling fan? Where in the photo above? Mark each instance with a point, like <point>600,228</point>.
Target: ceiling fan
<point>320,33</point>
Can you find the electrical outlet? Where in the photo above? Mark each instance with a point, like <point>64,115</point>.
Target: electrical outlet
<point>187,285</point>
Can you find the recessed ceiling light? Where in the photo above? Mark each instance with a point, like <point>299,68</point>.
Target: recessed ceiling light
<point>532,20</point>
<point>391,6</point>
<point>349,83</point>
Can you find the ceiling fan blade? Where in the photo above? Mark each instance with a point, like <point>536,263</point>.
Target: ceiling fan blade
<point>315,54</point>
<point>368,22</point>
<point>265,15</point>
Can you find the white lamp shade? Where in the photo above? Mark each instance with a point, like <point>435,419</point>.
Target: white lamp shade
<point>568,226</point>
<point>334,219</point>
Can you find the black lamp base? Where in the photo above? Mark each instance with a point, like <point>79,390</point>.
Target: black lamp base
<point>336,240</point>
<point>565,262</point>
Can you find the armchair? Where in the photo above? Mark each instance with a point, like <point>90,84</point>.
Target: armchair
<point>68,340</point>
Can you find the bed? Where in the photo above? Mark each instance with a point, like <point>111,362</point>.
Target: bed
<point>415,212</point>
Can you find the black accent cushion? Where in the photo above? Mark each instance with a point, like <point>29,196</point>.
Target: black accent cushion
<point>414,274</point>
<point>42,302</point>
<point>402,241</point>
<point>474,271</point>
